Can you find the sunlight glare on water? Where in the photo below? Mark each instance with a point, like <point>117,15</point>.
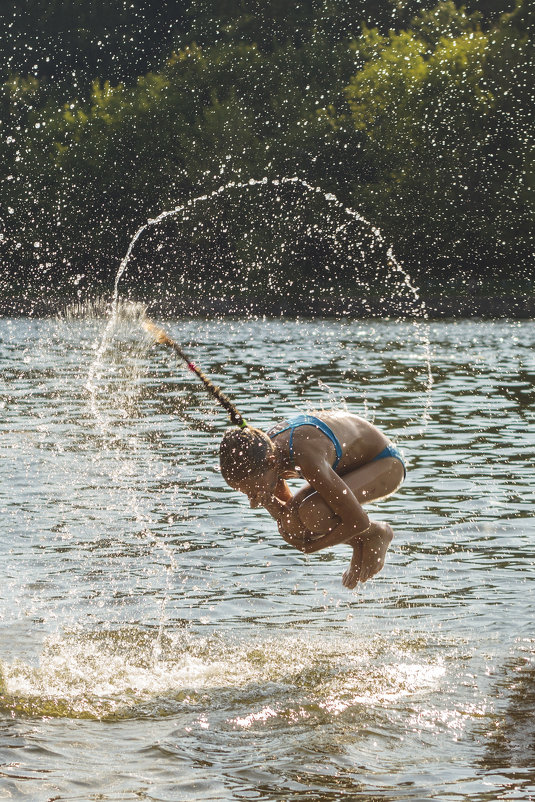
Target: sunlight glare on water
<point>141,592</point>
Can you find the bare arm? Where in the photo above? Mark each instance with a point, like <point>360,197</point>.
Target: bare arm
<point>282,507</point>
<point>276,507</point>
<point>342,534</point>
<point>353,520</point>
<point>279,502</point>
<point>287,517</point>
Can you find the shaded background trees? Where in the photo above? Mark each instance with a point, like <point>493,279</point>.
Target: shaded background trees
<point>418,115</point>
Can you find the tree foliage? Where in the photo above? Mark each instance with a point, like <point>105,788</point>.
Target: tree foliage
<point>419,116</point>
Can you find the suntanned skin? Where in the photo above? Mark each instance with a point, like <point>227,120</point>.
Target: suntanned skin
<point>328,510</point>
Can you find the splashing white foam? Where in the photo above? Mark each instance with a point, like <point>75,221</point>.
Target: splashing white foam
<point>122,673</point>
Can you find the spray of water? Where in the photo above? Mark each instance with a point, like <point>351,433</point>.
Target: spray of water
<point>126,673</point>
<point>135,316</point>
<point>416,309</point>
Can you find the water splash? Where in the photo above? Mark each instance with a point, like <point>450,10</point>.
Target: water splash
<point>264,182</point>
<point>129,314</point>
<point>103,370</point>
<point>414,309</point>
<point>130,672</point>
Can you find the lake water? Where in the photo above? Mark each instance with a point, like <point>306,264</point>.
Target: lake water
<point>158,639</point>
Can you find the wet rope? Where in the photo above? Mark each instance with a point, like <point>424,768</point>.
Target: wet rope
<point>163,339</point>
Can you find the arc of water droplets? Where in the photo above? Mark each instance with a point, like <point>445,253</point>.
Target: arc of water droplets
<point>94,372</point>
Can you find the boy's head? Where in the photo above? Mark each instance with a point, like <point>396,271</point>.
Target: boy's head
<point>248,461</point>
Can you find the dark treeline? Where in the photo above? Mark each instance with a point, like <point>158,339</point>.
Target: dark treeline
<point>418,115</point>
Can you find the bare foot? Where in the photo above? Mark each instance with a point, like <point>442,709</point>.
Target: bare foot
<point>351,575</point>
<point>374,549</point>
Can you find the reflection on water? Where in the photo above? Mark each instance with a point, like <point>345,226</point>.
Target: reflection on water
<point>159,641</point>
<point>510,738</point>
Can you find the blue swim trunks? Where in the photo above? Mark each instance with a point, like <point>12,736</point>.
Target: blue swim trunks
<point>392,451</point>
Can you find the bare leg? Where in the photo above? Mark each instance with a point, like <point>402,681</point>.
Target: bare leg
<point>351,575</point>
<point>369,483</point>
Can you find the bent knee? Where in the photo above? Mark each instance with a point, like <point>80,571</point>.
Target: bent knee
<point>316,516</point>
<point>377,481</point>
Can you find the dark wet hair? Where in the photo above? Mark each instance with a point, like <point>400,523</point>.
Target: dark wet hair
<point>161,337</point>
<point>244,452</point>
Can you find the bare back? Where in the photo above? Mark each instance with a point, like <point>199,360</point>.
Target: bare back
<point>359,439</point>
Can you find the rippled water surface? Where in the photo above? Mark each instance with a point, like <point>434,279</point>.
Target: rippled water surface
<point>159,641</point>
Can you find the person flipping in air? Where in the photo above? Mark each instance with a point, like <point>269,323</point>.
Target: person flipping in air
<point>345,461</point>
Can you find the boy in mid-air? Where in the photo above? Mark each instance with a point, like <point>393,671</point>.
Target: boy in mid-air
<point>346,462</point>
